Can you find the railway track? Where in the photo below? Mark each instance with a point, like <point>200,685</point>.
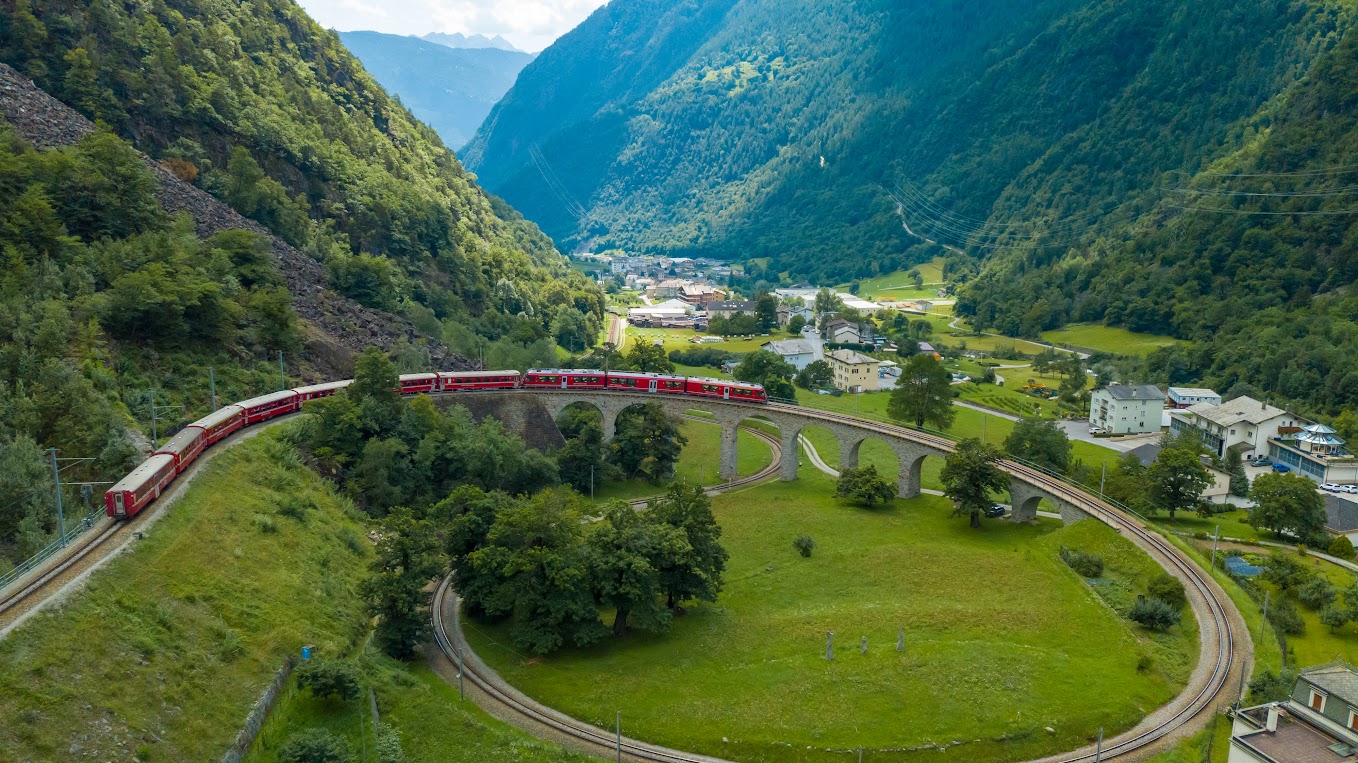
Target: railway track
<point>1205,690</point>
<point>100,543</point>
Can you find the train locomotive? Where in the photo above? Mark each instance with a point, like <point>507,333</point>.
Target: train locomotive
<point>143,485</point>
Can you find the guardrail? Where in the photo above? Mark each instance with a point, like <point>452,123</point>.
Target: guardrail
<point>51,549</point>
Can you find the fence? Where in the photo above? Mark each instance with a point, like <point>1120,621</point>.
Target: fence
<point>51,549</point>
<point>258,714</point>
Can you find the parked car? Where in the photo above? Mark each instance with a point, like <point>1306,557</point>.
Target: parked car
<point>1262,461</point>
<point>998,510</point>
<point>1330,487</point>
<point>1282,468</point>
<point>1350,489</point>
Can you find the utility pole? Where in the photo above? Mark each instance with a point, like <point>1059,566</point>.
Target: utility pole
<point>591,482</point>
<point>460,693</point>
<point>1103,481</point>
<point>984,419</point>
<point>282,377</point>
<point>1215,538</point>
<point>56,483</point>
<point>155,419</point>
<point>618,738</point>
<point>1098,750</point>
<point>212,387</point>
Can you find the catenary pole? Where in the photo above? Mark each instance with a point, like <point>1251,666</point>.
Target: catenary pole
<point>56,483</point>
<point>212,387</point>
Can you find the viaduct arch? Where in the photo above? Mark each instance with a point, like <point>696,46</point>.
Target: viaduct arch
<point>910,451</point>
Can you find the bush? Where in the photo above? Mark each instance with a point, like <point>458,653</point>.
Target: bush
<point>1272,687</point>
<point>1317,593</point>
<point>315,746</point>
<point>1168,589</point>
<point>1342,547</point>
<point>389,745</point>
<point>1154,614</point>
<point>1086,565</point>
<point>330,678</point>
<point>1335,617</point>
<point>266,525</point>
<point>804,545</point>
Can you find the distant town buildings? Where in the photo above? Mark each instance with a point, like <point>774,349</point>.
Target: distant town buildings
<point>808,297</point>
<point>1126,409</point>
<point>729,309</point>
<point>1316,451</point>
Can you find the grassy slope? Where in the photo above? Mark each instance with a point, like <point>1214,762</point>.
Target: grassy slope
<point>1119,341</point>
<point>980,661</point>
<point>170,645</point>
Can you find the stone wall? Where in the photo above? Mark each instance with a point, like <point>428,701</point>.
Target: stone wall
<point>258,714</point>
<point>523,415</point>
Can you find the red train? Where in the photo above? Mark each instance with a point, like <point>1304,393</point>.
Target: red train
<point>145,483</point>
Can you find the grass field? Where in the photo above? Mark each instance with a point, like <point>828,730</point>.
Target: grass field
<point>678,339</point>
<point>166,650</point>
<point>699,463</point>
<point>900,285</point>
<point>1001,641</point>
<point>1117,341</point>
<point>958,337</point>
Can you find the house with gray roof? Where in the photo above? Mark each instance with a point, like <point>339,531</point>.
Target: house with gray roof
<point>1341,516</point>
<point>799,352</point>
<point>1243,424</point>
<point>1317,724</point>
<point>1126,409</point>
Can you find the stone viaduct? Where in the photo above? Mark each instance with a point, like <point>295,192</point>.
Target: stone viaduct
<point>910,451</point>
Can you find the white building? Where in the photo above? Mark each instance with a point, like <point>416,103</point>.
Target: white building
<point>798,352</point>
<point>851,302</point>
<point>1126,409</point>
<point>1187,397</point>
<point>1242,424</point>
<point>674,309</point>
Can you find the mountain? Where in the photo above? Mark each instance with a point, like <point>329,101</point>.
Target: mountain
<point>473,42</point>
<point>203,196</point>
<point>449,88</point>
<point>1079,155</point>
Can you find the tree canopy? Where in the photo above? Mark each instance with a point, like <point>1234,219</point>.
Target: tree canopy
<point>970,475</point>
<point>923,394</point>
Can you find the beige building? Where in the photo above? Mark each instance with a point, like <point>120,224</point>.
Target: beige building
<point>854,370</point>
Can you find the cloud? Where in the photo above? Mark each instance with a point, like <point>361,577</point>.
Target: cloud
<point>528,24</point>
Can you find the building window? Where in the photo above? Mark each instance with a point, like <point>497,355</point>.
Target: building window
<point>1317,701</point>
<point>1353,719</point>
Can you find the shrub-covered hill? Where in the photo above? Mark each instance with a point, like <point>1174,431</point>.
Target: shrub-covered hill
<point>257,104</point>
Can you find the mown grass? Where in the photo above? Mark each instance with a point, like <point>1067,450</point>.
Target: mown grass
<point>699,463</point>
<point>164,652</point>
<point>1110,339</point>
<point>1001,641</point>
<point>900,281</point>
<point>678,339</point>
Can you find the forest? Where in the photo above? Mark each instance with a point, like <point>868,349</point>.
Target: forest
<point>1168,167</point>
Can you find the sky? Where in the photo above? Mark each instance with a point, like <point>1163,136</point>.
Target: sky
<point>529,25</point>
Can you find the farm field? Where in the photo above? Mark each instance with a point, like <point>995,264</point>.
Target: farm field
<point>899,283</point>
<point>973,652</point>
<point>1118,341</point>
<point>678,339</point>
<point>958,337</point>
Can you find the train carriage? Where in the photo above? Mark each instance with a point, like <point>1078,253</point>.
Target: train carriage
<point>184,447</point>
<point>221,424</point>
<point>727,390</point>
<point>659,383</point>
<point>270,406</point>
<point>473,380</point>
<point>318,391</point>
<point>565,379</point>
<point>418,384</point>
<point>142,486</point>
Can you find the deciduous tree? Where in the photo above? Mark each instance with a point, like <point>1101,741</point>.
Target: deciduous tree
<point>696,575</point>
<point>409,555</point>
<point>1176,481</point>
<point>864,485</point>
<point>1041,442</point>
<point>1287,503</point>
<point>923,394</point>
<point>970,475</point>
<point>627,553</point>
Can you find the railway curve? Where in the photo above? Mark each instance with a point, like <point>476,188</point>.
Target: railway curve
<point>1225,645</point>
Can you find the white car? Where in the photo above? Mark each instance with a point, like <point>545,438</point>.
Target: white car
<point>1331,487</point>
<point>1350,489</point>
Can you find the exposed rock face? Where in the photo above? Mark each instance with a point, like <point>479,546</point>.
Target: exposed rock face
<point>525,416</point>
<point>335,327</point>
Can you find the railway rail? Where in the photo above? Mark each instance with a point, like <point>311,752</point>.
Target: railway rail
<point>1207,685</point>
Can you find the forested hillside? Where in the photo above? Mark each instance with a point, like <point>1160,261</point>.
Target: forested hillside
<point>1081,153</point>
<point>122,285</point>
<point>447,87</point>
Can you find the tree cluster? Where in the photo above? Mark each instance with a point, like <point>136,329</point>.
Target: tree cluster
<point>531,561</point>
